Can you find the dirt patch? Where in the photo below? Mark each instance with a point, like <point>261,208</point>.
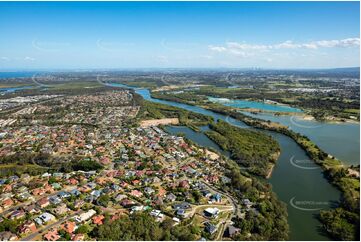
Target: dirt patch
<point>155,122</point>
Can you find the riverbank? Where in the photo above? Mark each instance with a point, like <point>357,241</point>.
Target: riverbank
<point>268,176</point>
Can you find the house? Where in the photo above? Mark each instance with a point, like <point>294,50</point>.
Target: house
<point>120,197</point>
<point>91,185</point>
<point>56,186</point>
<point>22,189</point>
<point>126,203</point>
<point>211,212</point>
<point>77,237</point>
<point>69,227</point>
<point>216,198</point>
<point>247,202</point>
<point>46,175</point>
<point>48,188</point>
<point>101,180</point>
<point>231,231</point>
<point>63,194</point>
<point>90,199</point>
<point>54,200</point>
<point>28,227</point>
<point>7,203</point>
<point>123,184</point>
<point>176,220</point>
<point>17,214</point>
<point>136,182</point>
<point>8,236</point>
<point>78,203</point>
<point>161,192</point>
<point>149,190</point>
<point>171,197</point>
<point>181,213</point>
<point>137,208</point>
<point>61,209</point>
<point>38,191</point>
<point>146,180</point>
<point>44,218</point>
<point>58,175</point>
<point>25,178</point>
<point>158,201</point>
<point>184,184</point>
<point>115,187</point>
<point>96,193</point>
<point>107,190</point>
<point>206,193</point>
<point>13,178</point>
<point>73,181</point>
<point>136,193</point>
<point>85,216</point>
<point>98,220</point>
<point>43,202</point>
<point>32,209</point>
<point>157,214</point>
<point>25,196</point>
<point>183,205</point>
<point>212,178</point>
<point>210,228</point>
<point>226,179</point>
<point>75,192</point>
<point>7,188</point>
<point>52,235</point>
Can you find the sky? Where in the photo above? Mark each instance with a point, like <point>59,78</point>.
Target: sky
<point>81,35</point>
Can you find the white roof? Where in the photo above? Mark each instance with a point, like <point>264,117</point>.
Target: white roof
<point>212,210</point>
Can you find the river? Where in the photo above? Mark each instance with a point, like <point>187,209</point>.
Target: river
<point>297,181</point>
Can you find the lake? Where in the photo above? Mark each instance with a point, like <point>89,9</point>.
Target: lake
<point>236,103</point>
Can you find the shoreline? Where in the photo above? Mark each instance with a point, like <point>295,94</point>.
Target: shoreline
<point>275,156</point>
<point>269,174</point>
<point>303,115</point>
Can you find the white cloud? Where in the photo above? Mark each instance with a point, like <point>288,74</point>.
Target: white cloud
<point>209,57</point>
<point>27,58</point>
<point>243,49</point>
<point>162,59</point>
<point>4,58</point>
<point>217,48</point>
<point>243,46</point>
<point>350,42</point>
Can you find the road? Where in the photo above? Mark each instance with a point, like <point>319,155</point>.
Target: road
<point>37,198</point>
<point>222,225</point>
<point>236,211</point>
<point>46,228</point>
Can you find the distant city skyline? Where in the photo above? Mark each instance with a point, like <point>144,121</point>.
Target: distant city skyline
<point>96,35</point>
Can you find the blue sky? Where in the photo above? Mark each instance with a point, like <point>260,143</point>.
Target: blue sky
<point>179,34</point>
